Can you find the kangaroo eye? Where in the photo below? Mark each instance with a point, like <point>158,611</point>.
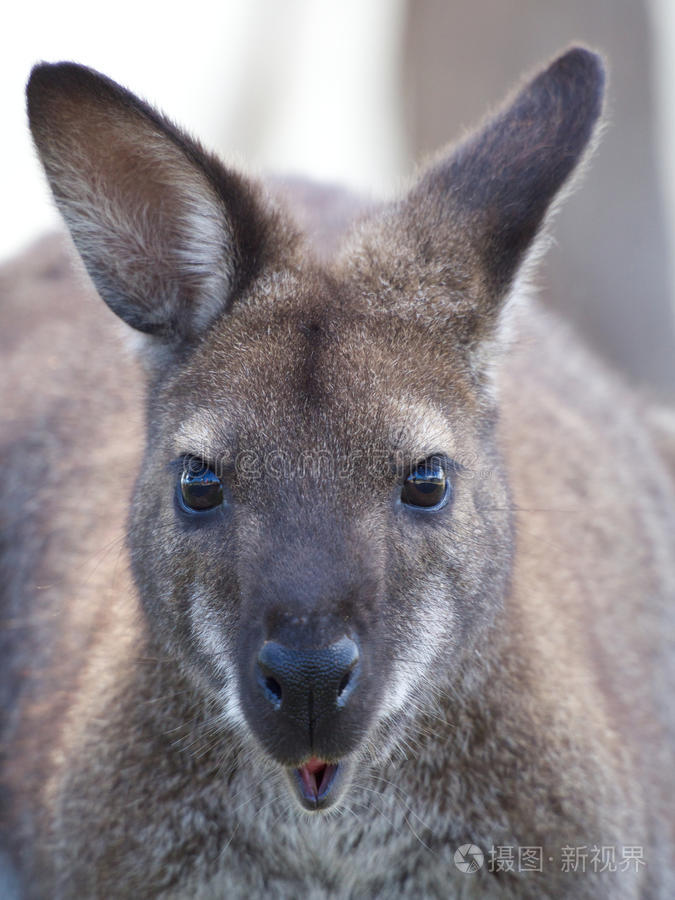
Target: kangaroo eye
<point>427,486</point>
<point>200,487</point>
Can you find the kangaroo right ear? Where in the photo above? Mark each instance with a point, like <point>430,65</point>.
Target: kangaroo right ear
<point>453,246</point>
<point>168,235</point>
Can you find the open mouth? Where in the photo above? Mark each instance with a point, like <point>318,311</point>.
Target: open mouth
<point>315,782</point>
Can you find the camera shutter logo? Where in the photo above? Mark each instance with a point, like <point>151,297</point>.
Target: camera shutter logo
<point>469,858</point>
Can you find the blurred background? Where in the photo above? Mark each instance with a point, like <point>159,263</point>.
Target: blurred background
<point>355,92</point>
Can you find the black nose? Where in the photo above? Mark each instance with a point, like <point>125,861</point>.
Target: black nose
<point>307,684</point>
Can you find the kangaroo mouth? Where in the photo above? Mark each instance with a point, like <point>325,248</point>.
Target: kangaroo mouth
<point>316,783</point>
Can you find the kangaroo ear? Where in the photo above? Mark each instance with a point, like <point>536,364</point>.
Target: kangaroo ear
<point>467,225</point>
<point>500,182</point>
<point>167,234</point>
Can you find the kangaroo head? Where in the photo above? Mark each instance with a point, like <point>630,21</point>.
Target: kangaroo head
<point>308,535</point>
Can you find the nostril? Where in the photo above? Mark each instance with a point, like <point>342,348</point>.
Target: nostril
<point>344,684</point>
<point>272,690</point>
<point>270,666</point>
<point>350,677</point>
<point>273,687</point>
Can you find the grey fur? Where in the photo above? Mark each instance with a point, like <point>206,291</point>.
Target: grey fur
<point>517,645</point>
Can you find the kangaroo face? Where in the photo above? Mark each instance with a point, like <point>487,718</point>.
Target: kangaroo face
<point>318,511</point>
<point>320,527</point>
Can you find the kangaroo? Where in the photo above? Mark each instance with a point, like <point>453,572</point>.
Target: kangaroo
<point>352,575</point>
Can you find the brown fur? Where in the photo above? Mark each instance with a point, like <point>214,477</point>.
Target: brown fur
<point>517,646</point>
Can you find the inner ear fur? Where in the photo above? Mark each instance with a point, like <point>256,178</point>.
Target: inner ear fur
<point>456,241</point>
<point>166,232</point>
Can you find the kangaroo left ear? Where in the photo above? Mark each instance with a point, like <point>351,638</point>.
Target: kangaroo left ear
<point>500,182</point>
<point>456,241</point>
<point>169,235</point>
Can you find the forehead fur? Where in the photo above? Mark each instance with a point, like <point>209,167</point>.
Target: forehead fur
<point>310,351</point>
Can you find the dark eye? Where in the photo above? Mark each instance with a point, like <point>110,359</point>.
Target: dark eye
<point>200,487</point>
<point>427,486</point>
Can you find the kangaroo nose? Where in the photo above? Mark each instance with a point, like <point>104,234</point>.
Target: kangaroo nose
<point>308,683</point>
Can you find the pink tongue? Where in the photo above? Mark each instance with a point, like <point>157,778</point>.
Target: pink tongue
<point>314,765</point>
<point>312,775</point>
